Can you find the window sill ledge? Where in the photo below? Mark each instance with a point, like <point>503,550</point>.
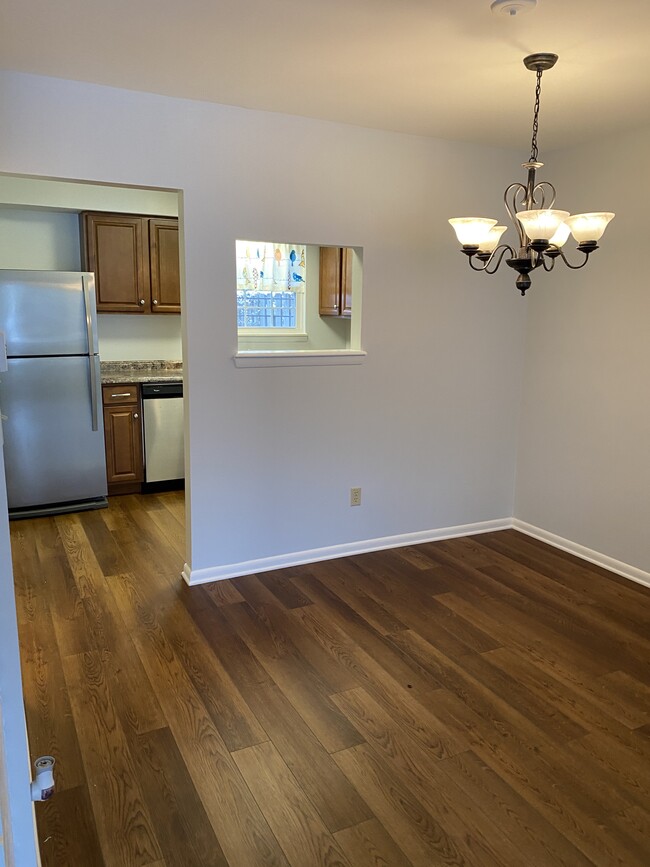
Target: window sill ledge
<point>261,338</point>
<point>298,358</point>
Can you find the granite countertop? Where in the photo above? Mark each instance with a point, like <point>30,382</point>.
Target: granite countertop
<point>141,371</point>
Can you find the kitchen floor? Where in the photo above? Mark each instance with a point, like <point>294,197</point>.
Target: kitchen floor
<point>481,701</point>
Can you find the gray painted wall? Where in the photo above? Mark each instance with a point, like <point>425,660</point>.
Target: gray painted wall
<point>583,470</point>
<point>426,425</point>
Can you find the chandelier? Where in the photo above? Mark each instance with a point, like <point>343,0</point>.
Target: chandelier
<point>542,229</point>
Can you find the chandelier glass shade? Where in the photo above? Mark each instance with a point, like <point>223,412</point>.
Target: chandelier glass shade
<point>542,229</point>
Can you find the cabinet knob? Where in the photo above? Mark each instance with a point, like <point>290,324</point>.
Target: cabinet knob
<point>135,415</point>
<point>141,302</point>
<point>154,302</point>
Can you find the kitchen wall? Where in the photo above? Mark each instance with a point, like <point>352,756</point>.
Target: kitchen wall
<point>39,228</point>
<point>426,426</point>
<point>583,472</point>
<point>47,240</point>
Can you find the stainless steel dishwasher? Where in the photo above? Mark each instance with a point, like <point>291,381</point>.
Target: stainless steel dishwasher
<point>162,408</point>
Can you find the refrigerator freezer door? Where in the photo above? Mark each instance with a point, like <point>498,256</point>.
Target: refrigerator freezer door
<point>48,312</point>
<point>52,453</point>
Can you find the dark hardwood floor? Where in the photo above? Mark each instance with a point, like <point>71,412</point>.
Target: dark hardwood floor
<point>481,701</point>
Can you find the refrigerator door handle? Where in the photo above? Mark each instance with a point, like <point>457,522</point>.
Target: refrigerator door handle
<point>88,283</point>
<point>93,362</point>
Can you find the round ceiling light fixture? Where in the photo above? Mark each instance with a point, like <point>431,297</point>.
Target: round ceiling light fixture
<point>512,7</point>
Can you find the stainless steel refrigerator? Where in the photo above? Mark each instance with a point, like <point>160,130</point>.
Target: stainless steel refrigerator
<point>50,393</point>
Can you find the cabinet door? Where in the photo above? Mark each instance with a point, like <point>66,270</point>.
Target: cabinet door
<point>330,281</point>
<point>115,249</point>
<point>346,281</point>
<point>164,266</point>
<point>335,288</point>
<point>123,433</point>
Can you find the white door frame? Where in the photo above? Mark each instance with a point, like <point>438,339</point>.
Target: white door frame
<point>18,830</point>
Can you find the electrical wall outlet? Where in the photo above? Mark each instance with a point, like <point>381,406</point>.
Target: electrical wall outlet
<point>355,496</point>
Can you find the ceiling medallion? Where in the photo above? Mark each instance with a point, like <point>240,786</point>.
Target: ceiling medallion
<point>512,7</point>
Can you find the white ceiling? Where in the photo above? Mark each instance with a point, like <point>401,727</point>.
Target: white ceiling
<point>446,68</point>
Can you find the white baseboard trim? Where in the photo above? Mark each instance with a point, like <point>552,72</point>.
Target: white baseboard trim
<point>315,555</point>
<point>596,557</point>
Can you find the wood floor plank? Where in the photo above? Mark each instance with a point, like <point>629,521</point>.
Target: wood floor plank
<point>135,698</point>
<point>296,678</point>
<point>570,570</point>
<point>237,724</point>
<point>336,800</point>
<point>517,735</point>
<point>414,602</point>
<point>66,607</point>
<point>181,824</point>
<point>149,548</point>
<point>626,690</point>
<point>54,818</point>
<point>117,799</point>
<point>172,529</point>
<point>585,705</point>
<point>608,753</point>
<point>576,605</point>
<point>223,593</point>
<point>514,625</point>
<point>447,803</point>
<point>81,557</point>
<point>294,821</point>
<point>50,724</point>
<point>394,697</point>
<point>109,556</point>
<point>370,845</point>
<point>416,833</point>
<point>348,584</point>
<point>575,629</point>
<point>550,790</point>
<point>287,638</point>
<point>536,838</point>
<point>241,829</point>
<point>546,655</point>
<point>365,636</point>
<point>279,583</point>
<point>635,823</point>
<point>553,722</point>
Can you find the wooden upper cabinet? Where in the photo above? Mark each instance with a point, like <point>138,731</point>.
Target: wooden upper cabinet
<point>135,260</point>
<point>164,266</point>
<point>114,248</point>
<point>335,286</point>
<point>347,255</point>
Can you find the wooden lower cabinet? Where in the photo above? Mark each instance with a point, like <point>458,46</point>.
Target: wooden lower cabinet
<point>123,438</point>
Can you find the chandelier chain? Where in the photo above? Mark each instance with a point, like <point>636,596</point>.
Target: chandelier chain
<point>533,144</point>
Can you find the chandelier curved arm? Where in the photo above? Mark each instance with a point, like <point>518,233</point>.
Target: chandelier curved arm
<point>502,249</point>
<point>542,187</point>
<point>510,201</point>
<point>560,252</point>
<point>549,262</point>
